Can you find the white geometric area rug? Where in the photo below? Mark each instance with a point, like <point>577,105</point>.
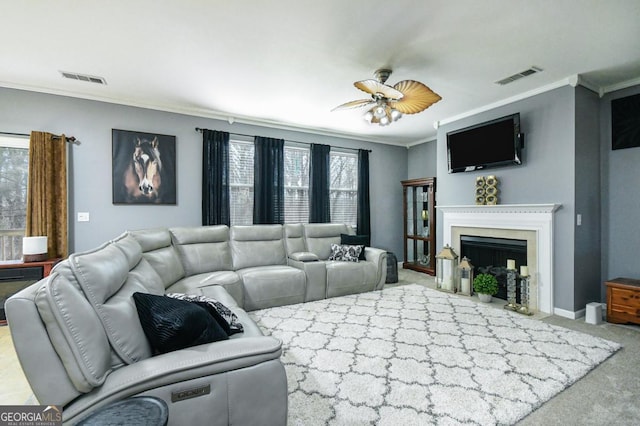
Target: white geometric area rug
<point>410,355</point>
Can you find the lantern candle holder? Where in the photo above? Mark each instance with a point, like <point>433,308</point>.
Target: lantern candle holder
<point>511,285</point>
<point>466,277</point>
<point>447,270</point>
<point>524,291</point>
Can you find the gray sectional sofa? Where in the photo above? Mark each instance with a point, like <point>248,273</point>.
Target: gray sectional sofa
<point>81,344</point>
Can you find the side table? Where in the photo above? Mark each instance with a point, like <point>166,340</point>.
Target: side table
<point>623,300</point>
<point>16,275</point>
<point>138,410</point>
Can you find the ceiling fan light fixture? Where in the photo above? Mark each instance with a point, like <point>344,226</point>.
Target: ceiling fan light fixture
<point>390,103</point>
<point>379,111</point>
<point>368,116</point>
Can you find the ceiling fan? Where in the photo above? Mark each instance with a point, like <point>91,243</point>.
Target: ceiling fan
<point>389,103</point>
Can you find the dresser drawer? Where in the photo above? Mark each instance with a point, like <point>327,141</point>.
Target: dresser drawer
<point>623,300</point>
<point>628,298</point>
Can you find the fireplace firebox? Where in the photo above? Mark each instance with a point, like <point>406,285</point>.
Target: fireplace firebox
<point>489,255</point>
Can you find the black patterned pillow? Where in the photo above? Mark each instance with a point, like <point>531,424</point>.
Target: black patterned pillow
<point>229,322</point>
<point>361,240</point>
<point>172,324</point>
<point>345,253</point>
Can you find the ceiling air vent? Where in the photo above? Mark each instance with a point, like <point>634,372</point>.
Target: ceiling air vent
<point>519,75</point>
<point>84,77</point>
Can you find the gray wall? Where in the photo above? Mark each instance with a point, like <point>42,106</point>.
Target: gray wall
<point>546,175</point>
<point>587,244</point>
<point>620,199</point>
<point>90,164</point>
<point>422,160</point>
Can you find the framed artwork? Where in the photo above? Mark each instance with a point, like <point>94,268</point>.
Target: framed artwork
<point>143,167</point>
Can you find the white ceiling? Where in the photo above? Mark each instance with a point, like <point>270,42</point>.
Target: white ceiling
<point>287,63</point>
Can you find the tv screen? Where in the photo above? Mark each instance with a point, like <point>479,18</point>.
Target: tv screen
<point>490,144</point>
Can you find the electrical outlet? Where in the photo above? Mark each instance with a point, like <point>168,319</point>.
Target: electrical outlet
<point>83,216</point>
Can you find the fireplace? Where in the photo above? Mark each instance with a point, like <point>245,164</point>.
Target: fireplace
<point>532,223</point>
<point>489,256</point>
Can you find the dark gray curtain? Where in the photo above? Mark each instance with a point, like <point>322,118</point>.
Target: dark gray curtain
<point>268,183</point>
<point>215,178</point>
<point>364,208</point>
<point>319,182</point>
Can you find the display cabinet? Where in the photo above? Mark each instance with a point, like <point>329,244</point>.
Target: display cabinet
<point>419,224</point>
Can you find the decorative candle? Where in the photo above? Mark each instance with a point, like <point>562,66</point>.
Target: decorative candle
<point>465,285</point>
<point>511,264</point>
<point>524,270</point>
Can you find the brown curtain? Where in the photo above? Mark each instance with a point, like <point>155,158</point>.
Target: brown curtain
<point>47,191</point>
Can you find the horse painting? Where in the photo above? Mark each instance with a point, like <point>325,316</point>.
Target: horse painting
<point>143,177</point>
<point>140,172</point>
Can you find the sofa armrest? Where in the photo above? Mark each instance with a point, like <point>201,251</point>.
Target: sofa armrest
<point>177,367</point>
<point>304,256</point>
<point>316,276</point>
<point>379,257</point>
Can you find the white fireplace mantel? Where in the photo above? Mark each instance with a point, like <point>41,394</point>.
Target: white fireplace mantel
<point>528,217</point>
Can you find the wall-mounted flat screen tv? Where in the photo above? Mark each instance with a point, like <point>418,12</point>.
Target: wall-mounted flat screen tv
<point>491,144</point>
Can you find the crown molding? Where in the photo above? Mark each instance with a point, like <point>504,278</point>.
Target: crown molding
<point>206,113</point>
<point>507,101</point>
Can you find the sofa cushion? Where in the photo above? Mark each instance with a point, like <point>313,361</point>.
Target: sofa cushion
<point>268,286</point>
<point>320,236</point>
<point>350,277</point>
<point>257,245</point>
<point>171,324</point>
<point>201,284</point>
<point>108,276</point>
<point>345,253</point>
<point>203,248</point>
<point>294,238</point>
<point>356,240</point>
<point>160,253</point>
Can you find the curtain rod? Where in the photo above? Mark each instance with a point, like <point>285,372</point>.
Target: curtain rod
<point>70,139</point>
<point>198,129</point>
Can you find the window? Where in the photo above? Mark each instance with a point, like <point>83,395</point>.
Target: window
<point>241,155</point>
<point>296,184</point>
<point>14,165</point>
<point>343,189</point>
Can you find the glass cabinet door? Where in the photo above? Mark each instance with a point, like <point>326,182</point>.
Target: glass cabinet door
<point>419,203</point>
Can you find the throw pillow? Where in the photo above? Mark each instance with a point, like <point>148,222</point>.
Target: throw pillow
<point>172,324</point>
<point>219,311</point>
<point>345,253</point>
<point>356,240</point>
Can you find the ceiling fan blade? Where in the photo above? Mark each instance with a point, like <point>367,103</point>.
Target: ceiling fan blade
<point>354,104</point>
<point>373,87</point>
<point>417,97</point>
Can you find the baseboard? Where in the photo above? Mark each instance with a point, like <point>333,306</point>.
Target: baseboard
<point>578,314</point>
<point>569,314</point>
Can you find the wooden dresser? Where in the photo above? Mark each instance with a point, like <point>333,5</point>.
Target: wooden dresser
<point>623,300</point>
